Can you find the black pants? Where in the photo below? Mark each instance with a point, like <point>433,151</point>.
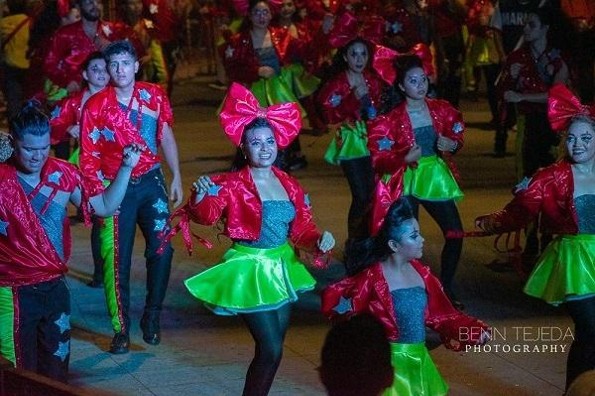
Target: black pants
<point>537,143</point>
<point>449,83</point>
<point>268,330</point>
<point>360,176</point>
<point>42,339</point>
<point>446,215</point>
<point>581,356</point>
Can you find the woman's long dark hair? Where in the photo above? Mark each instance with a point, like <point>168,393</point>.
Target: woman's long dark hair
<point>365,252</point>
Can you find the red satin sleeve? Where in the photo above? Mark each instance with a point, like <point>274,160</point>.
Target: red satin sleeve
<point>448,121</point>
<point>388,146</point>
<point>64,115</point>
<point>338,103</point>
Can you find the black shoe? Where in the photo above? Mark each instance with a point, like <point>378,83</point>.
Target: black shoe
<point>120,344</point>
<point>454,300</point>
<point>298,163</point>
<point>95,283</point>
<point>149,324</point>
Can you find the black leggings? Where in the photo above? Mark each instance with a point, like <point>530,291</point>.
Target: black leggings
<point>268,330</point>
<point>446,215</point>
<point>581,356</point>
<point>360,176</point>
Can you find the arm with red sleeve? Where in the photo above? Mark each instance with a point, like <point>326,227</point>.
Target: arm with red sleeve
<point>338,102</point>
<point>448,121</point>
<point>64,115</point>
<point>239,59</point>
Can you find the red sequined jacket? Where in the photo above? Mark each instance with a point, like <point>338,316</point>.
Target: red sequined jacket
<point>390,136</point>
<point>26,254</point>
<point>368,292</point>
<point>66,114</point>
<point>70,47</point>
<point>550,192</point>
<point>235,199</point>
<point>106,129</point>
<point>338,102</point>
<point>241,62</point>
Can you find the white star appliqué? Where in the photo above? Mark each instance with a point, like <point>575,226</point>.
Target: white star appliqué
<point>153,8</point>
<point>3,227</point>
<point>343,306</point>
<point>335,100</point>
<point>229,52</point>
<point>395,27</point>
<point>108,135</point>
<point>63,350</point>
<point>385,144</point>
<point>457,127</point>
<point>213,190</point>
<point>161,206</point>
<point>522,185</point>
<point>54,177</point>
<point>55,113</point>
<point>160,224</point>
<point>307,201</point>
<point>95,134</point>
<point>145,95</point>
<point>100,175</point>
<point>63,323</point>
<point>106,30</point>
<point>149,24</point>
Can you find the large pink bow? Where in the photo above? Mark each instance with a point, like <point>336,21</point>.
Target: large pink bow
<point>240,108</point>
<point>384,58</point>
<point>563,106</point>
<point>347,28</point>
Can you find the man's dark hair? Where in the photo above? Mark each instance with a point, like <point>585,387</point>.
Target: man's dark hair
<point>119,47</point>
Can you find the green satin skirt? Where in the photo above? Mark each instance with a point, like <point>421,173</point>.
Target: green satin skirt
<point>350,142</point>
<point>415,372</point>
<point>565,270</point>
<point>432,180</point>
<point>251,280</point>
<point>277,89</point>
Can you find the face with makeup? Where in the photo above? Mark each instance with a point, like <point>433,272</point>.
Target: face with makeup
<point>356,57</point>
<point>410,244</point>
<point>415,83</point>
<point>260,147</point>
<point>260,15</point>
<point>580,141</point>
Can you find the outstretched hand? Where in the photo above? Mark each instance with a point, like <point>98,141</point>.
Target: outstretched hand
<point>326,242</point>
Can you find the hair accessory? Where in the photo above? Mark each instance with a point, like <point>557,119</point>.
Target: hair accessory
<point>6,148</point>
<point>240,108</point>
<point>63,7</point>
<point>384,58</point>
<point>347,28</point>
<point>563,106</point>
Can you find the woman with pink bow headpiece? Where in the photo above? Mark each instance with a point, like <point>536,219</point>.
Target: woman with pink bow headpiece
<point>564,194</point>
<point>349,98</point>
<point>266,214</point>
<point>411,146</point>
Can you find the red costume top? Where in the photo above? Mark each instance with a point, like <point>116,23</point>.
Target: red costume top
<point>241,62</point>
<point>339,103</point>
<point>106,129</point>
<point>235,199</point>
<point>390,136</point>
<point>70,47</point>
<point>66,114</point>
<point>368,292</point>
<point>531,78</point>
<point>26,254</point>
<point>167,24</point>
<point>550,192</point>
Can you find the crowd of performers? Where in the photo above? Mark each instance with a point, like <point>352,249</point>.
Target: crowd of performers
<point>384,80</point>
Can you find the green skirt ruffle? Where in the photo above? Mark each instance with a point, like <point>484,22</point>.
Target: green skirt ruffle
<point>251,280</point>
<point>277,89</point>
<point>303,83</point>
<point>350,142</point>
<point>565,270</point>
<point>431,181</point>
<point>415,372</point>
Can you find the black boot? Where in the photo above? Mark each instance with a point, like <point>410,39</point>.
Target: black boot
<point>149,324</point>
<point>120,343</point>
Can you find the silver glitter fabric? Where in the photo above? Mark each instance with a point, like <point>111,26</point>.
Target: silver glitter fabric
<point>410,304</point>
<point>585,211</point>
<point>276,219</point>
